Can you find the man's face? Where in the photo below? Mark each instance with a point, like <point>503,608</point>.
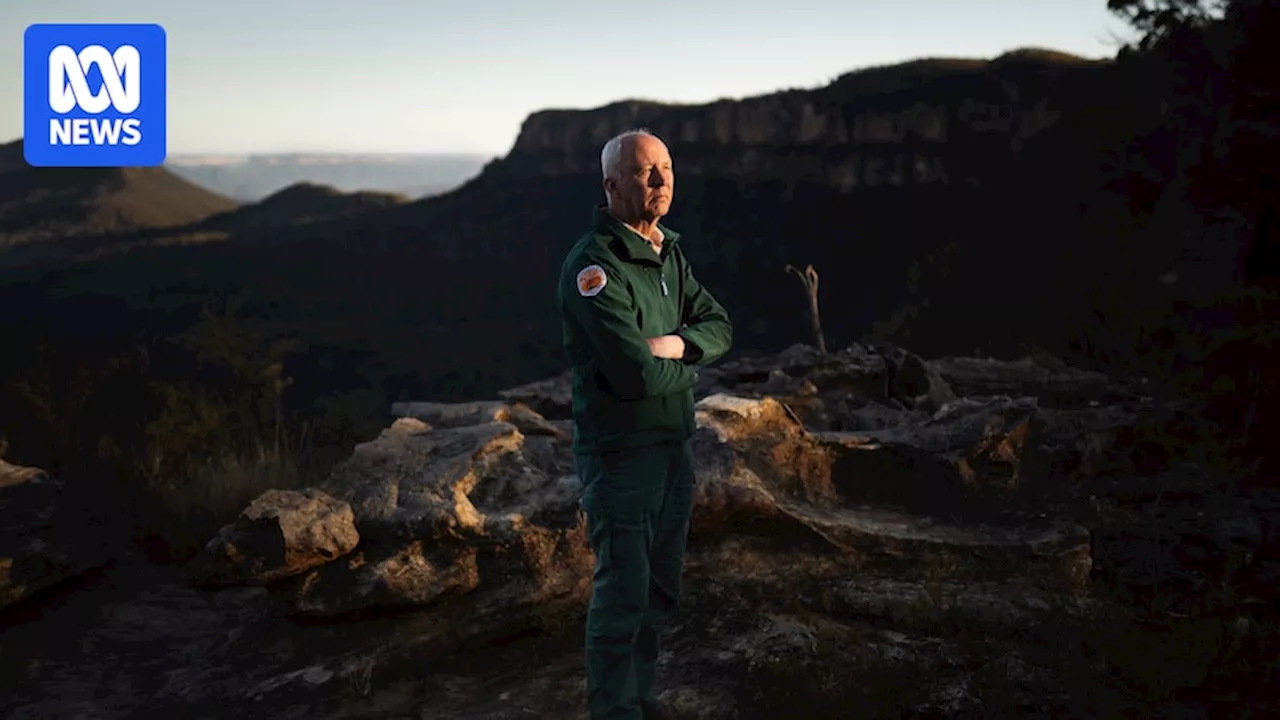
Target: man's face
<point>644,184</point>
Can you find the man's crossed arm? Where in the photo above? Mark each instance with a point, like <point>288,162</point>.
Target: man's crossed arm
<point>602,309</point>
<point>636,366</point>
<point>706,333</point>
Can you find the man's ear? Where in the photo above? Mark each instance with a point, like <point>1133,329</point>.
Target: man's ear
<point>610,187</point>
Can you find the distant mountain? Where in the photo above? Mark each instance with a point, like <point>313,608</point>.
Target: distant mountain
<point>250,178</point>
<point>303,203</point>
<point>53,203</point>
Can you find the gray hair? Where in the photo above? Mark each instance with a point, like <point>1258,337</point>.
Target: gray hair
<point>611,153</point>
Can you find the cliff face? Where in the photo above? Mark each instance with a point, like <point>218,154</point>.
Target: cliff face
<point>886,179</point>
<point>934,122</point>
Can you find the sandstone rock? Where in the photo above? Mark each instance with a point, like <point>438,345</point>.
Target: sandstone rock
<point>472,413</point>
<point>280,534</point>
<point>857,388</point>
<point>915,381</point>
<point>551,398</point>
<point>1046,378</point>
<point>484,516</point>
<point>11,475</point>
<point>39,546</point>
<point>854,371</point>
<point>976,456</point>
<point>482,511</point>
<point>1082,425</point>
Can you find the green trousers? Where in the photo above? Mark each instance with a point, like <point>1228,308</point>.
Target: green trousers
<point>637,503</point>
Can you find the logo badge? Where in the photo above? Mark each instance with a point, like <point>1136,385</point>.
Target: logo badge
<point>591,281</point>
<point>94,95</point>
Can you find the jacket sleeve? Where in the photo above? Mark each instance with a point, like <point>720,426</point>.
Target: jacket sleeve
<point>707,330</point>
<point>606,316</point>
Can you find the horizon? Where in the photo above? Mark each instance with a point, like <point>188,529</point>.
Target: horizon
<point>460,80</point>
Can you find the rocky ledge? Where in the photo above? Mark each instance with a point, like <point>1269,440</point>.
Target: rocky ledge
<point>41,545</point>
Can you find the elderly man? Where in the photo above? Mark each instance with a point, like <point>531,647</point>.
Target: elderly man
<point>636,325</point>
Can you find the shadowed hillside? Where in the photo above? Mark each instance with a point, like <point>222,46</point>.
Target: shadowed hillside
<point>56,203</point>
<point>304,203</point>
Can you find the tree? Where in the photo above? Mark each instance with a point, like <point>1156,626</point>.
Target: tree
<point>1159,20</point>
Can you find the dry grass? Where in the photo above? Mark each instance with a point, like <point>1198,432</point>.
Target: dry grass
<point>222,486</point>
<point>180,515</point>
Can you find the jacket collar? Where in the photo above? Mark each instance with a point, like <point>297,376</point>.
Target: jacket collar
<point>632,246</point>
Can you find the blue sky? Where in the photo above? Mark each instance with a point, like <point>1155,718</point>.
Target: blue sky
<point>425,76</point>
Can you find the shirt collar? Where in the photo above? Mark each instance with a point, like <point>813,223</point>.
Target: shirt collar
<point>635,246</point>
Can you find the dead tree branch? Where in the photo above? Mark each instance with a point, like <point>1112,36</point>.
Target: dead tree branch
<point>810,280</point>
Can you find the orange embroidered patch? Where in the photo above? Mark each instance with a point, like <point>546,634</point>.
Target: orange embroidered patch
<point>591,280</point>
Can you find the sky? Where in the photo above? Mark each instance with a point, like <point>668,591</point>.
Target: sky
<point>260,76</point>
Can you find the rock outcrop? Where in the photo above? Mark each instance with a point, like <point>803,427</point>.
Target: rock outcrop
<point>39,545</point>
<point>863,486</point>
<point>281,534</point>
<point>867,459</point>
<point>481,515</point>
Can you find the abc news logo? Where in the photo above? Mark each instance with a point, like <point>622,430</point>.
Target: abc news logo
<point>94,95</point>
<point>69,89</point>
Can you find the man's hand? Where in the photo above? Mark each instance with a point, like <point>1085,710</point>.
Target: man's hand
<point>667,346</point>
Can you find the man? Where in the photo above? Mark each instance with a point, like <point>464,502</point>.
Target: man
<point>636,324</point>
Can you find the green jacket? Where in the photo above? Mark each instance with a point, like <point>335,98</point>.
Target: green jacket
<point>614,293</point>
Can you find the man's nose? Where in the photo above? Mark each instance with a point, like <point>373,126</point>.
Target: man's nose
<point>658,179</point>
